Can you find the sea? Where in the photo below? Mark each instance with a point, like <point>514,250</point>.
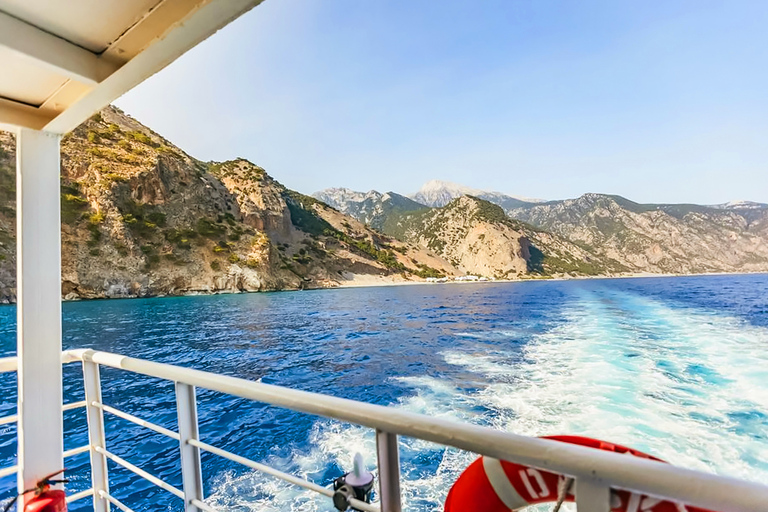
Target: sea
<point>677,367</point>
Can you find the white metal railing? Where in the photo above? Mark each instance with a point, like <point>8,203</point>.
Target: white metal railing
<point>595,471</point>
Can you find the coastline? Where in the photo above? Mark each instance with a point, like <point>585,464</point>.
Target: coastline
<point>638,275</point>
<point>369,281</point>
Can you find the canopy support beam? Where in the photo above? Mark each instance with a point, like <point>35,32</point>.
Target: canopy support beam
<point>53,52</point>
<point>38,230</point>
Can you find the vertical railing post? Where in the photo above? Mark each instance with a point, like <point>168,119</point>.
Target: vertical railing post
<point>38,284</point>
<point>592,496</point>
<point>191,469</point>
<point>96,436</point>
<point>389,471</point>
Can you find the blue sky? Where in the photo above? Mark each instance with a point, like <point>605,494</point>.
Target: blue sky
<point>662,101</point>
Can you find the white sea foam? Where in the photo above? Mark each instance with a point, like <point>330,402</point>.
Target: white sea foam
<point>679,383</point>
<point>686,385</point>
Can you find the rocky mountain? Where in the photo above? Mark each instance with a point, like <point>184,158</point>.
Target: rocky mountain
<point>438,193</point>
<point>473,234</point>
<point>341,198</point>
<point>659,238</point>
<point>375,209</point>
<point>597,233</point>
<point>140,217</point>
<point>471,239</point>
<point>478,238</point>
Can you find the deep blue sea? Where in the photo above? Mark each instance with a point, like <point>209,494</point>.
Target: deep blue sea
<point>677,367</point>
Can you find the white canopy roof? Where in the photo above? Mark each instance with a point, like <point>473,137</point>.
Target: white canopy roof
<point>62,60</point>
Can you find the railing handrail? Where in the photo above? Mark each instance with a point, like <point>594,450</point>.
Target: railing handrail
<point>616,471</point>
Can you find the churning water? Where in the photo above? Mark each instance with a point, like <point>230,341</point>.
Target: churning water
<point>677,367</point>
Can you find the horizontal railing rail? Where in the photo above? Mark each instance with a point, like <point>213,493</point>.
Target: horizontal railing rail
<point>601,469</point>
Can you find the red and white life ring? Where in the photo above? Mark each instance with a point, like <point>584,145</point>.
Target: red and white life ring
<point>492,485</point>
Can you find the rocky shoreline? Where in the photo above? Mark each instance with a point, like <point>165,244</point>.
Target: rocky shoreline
<point>386,282</point>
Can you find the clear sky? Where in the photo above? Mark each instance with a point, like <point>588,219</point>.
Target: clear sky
<point>659,101</point>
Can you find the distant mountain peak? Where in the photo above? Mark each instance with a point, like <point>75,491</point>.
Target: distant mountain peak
<point>433,185</point>
<point>340,197</point>
<point>437,193</point>
<point>741,205</point>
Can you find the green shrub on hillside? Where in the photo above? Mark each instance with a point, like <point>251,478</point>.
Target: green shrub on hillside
<point>490,212</point>
<point>210,229</point>
<point>143,220</point>
<point>366,248</point>
<point>95,235</point>
<point>426,271</point>
<point>97,152</point>
<point>545,264</point>
<point>112,155</point>
<point>96,218</point>
<point>73,204</point>
<point>180,237</point>
<point>302,214</point>
<point>116,178</point>
<point>140,137</point>
<point>156,218</point>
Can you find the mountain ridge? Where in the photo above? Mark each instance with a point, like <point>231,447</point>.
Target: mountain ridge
<point>141,217</point>
<point>642,238</point>
<point>436,193</point>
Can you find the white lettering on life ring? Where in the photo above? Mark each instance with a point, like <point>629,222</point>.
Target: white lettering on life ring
<point>543,489</point>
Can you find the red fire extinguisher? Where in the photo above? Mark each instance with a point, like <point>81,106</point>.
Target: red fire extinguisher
<point>45,499</point>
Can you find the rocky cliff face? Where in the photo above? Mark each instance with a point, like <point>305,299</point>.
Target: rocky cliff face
<point>659,238</point>
<point>478,238</point>
<point>140,217</point>
<point>462,233</point>
<point>7,218</point>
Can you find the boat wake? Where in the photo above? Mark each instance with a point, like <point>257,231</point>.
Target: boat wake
<point>687,385</point>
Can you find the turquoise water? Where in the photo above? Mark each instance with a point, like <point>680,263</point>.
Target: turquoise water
<point>674,366</point>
